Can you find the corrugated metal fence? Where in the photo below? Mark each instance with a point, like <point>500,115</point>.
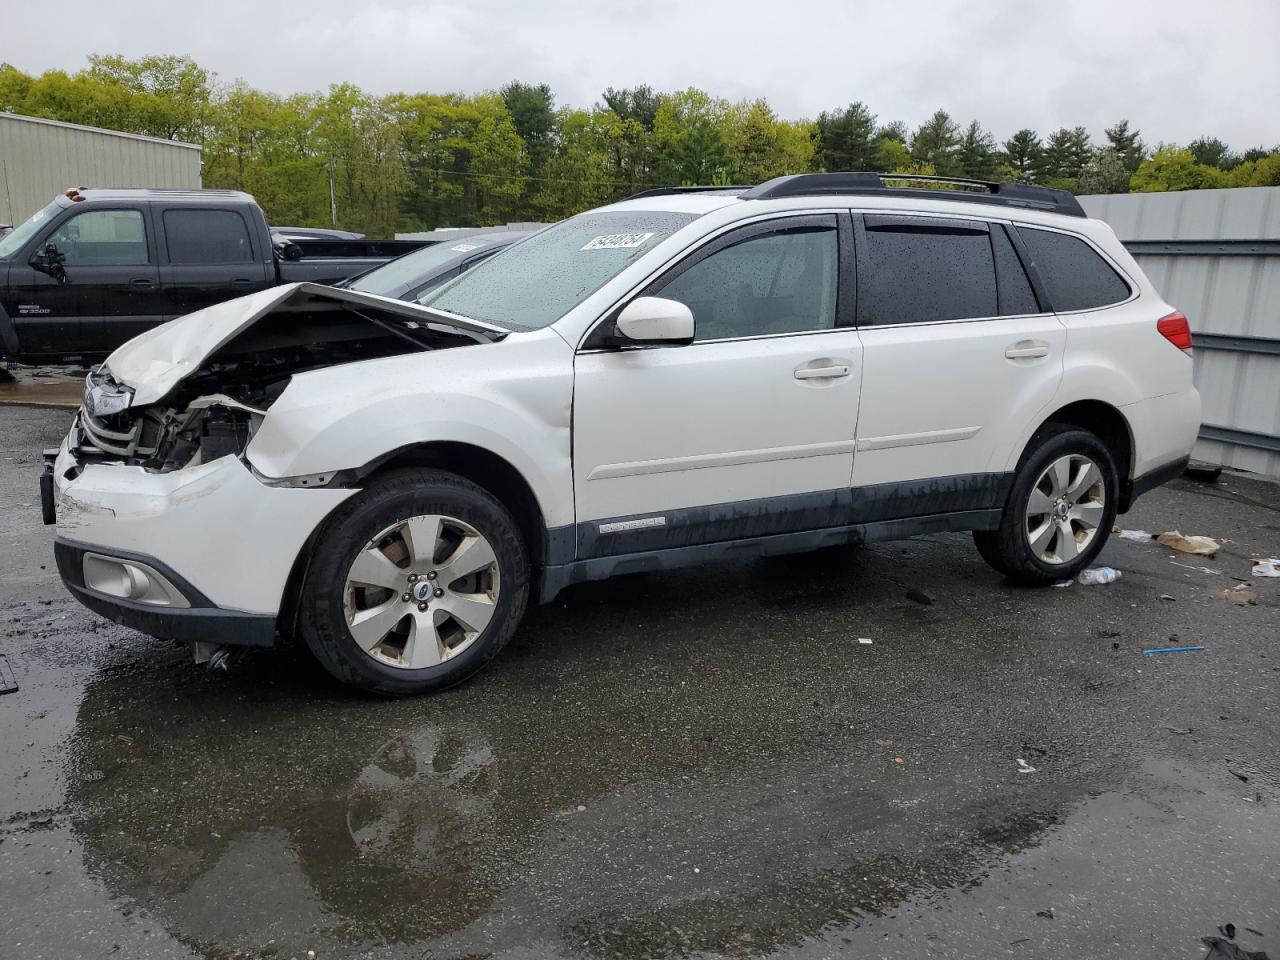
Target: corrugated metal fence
<point>1215,255</point>
<point>40,158</point>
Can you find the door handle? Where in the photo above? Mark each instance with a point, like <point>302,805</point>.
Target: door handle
<point>1026,348</point>
<point>142,282</point>
<point>241,282</point>
<point>822,373</point>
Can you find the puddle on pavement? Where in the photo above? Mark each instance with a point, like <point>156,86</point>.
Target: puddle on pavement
<point>644,796</point>
<point>242,812</point>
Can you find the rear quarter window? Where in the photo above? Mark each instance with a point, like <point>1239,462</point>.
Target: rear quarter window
<point>1073,274</point>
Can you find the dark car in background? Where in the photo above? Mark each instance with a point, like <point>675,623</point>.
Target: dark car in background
<point>95,268</point>
<point>415,274</point>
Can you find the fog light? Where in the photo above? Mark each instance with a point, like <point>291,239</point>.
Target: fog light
<point>130,580</point>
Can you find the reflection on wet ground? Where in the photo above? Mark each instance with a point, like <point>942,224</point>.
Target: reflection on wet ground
<point>687,765</point>
<point>715,777</point>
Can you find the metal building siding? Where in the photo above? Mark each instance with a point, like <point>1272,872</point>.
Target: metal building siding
<point>40,158</point>
<point>1225,295</point>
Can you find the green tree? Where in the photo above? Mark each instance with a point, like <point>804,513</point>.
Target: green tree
<point>1174,168</point>
<point>937,142</point>
<point>532,110</point>
<point>689,138</point>
<point>580,175</point>
<point>977,153</point>
<point>1064,156</point>
<point>762,147</point>
<point>1022,154</point>
<point>1212,152</point>
<point>1258,153</point>
<point>892,154</point>
<point>1104,173</point>
<point>1127,144</point>
<point>847,139</point>
<point>1261,172</point>
<point>634,103</point>
<point>169,95</point>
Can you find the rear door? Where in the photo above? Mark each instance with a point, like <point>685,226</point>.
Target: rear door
<point>211,254</point>
<point>958,355</point>
<point>111,290</point>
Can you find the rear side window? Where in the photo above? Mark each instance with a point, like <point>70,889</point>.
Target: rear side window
<point>207,236</point>
<point>925,270</point>
<point>1073,274</point>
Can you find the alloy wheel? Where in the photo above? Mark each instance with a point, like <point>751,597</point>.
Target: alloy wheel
<point>1064,509</point>
<point>421,591</point>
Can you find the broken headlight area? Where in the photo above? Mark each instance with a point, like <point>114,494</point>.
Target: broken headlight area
<point>164,438</point>
<point>216,410</point>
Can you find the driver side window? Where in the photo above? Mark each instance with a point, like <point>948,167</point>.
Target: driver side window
<point>783,281</point>
<point>103,238</point>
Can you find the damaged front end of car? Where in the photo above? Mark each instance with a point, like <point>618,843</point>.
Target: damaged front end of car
<point>177,400</point>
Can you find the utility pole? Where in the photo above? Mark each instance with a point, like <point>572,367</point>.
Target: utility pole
<point>333,200</point>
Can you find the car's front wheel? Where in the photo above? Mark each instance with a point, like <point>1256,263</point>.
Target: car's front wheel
<point>415,584</point>
<point>1060,509</point>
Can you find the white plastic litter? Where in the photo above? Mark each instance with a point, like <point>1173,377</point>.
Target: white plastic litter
<point>1140,535</point>
<point>1269,567</point>
<point>1097,575</point>
<point>866,640</point>
<point>1024,767</point>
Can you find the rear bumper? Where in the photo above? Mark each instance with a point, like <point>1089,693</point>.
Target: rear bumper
<point>200,621</point>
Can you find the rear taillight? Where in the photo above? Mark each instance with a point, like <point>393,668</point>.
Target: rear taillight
<point>1176,330</point>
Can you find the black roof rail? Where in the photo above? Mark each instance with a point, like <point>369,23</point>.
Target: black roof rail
<point>667,191</point>
<point>866,183</point>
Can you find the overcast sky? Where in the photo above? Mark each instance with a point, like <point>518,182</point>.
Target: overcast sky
<point>1176,69</point>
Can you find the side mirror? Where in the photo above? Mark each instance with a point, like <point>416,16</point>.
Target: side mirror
<point>655,321</point>
<point>50,260</point>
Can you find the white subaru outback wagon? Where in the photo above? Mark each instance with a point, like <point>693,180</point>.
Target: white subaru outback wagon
<point>686,375</point>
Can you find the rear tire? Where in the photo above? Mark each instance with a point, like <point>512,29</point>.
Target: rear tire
<point>1059,512</point>
<point>416,583</point>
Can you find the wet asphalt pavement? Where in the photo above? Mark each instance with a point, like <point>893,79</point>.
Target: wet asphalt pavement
<point>701,764</point>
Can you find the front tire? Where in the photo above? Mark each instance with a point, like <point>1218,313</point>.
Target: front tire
<point>1059,512</point>
<point>416,583</point>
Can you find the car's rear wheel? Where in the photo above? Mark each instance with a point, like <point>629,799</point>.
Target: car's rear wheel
<point>415,584</point>
<point>1059,511</point>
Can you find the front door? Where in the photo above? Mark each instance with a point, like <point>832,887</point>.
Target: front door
<point>746,432</point>
<point>111,286</point>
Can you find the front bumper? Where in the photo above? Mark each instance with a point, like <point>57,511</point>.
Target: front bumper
<point>224,540</point>
<point>198,621</point>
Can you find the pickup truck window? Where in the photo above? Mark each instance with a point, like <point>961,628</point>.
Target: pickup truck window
<point>103,238</point>
<point>17,238</point>
<point>207,236</point>
<point>539,280</point>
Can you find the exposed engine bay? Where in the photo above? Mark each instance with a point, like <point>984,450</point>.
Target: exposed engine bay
<point>216,410</point>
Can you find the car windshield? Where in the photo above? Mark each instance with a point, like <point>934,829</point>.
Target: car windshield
<point>539,280</point>
<point>17,238</point>
<point>388,279</point>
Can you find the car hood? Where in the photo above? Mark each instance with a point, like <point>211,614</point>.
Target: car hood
<point>154,362</point>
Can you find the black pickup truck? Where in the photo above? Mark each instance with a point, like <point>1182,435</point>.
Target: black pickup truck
<point>95,268</point>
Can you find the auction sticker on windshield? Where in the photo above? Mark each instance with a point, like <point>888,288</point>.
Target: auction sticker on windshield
<point>618,241</point>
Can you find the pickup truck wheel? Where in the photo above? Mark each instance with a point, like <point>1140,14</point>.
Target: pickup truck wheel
<point>1059,512</point>
<point>415,584</point>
